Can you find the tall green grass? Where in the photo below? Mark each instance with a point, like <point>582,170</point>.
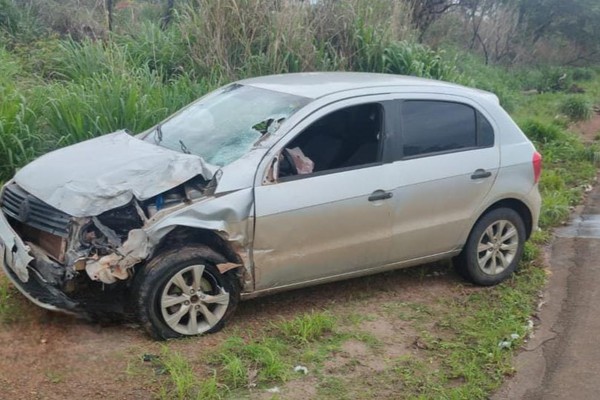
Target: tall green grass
<point>568,163</point>
<point>59,91</point>
<point>576,108</point>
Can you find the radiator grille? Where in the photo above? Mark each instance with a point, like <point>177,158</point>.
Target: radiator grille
<point>29,210</point>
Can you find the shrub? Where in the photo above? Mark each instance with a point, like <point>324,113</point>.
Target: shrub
<point>18,20</point>
<point>583,74</point>
<point>541,132</point>
<point>577,108</point>
<point>553,80</point>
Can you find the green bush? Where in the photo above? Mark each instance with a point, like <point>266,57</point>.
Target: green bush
<point>583,74</point>
<point>576,108</point>
<point>541,132</point>
<point>9,16</point>
<point>553,79</point>
<point>414,59</point>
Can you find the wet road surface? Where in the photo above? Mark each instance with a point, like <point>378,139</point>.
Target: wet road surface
<point>562,360</point>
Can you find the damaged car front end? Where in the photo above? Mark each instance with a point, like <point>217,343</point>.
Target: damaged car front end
<point>78,224</point>
<point>84,261</point>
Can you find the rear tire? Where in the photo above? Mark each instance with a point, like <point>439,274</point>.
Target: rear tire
<point>182,293</point>
<point>493,249</point>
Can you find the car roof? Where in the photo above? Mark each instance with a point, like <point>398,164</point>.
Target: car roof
<point>318,84</point>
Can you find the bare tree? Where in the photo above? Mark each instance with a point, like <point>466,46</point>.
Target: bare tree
<point>109,7</point>
<point>425,12</point>
<point>494,29</point>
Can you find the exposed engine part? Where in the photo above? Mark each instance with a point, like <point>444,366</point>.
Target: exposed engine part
<point>193,189</point>
<point>49,270</point>
<point>110,235</point>
<point>116,265</point>
<point>121,220</point>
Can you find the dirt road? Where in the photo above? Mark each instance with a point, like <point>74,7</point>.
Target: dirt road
<point>561,361</point>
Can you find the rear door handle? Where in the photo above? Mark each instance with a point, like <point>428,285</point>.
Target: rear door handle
<point>481,174</point>
<point>380,195</point>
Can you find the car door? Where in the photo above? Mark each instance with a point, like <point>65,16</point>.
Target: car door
<point>446,163</point>
<point>325,224</point>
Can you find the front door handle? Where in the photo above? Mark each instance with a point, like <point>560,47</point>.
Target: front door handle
<point>481,174</point>
<point>380,195</point>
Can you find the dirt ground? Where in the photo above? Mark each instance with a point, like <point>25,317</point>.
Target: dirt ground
<point>590,129</point>
<point>561,359</point>
<point>54,356</point>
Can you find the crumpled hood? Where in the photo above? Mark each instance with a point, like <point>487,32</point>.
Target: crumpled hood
<point>100,174</point>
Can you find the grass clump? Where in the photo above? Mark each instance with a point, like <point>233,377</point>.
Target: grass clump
<point>307,327</point>
<point>576,108</point>
<point>181,375</point>
<point>540,132</point>
<point>243,363</point>
<point>182,382</point>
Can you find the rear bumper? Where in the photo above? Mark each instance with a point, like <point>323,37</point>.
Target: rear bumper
<point>535,200</point>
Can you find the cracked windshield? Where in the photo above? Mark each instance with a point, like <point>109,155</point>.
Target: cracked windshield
<point>224,125</point>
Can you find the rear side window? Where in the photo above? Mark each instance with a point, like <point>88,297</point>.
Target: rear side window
<point>440,126</point>
<point>486,132</point>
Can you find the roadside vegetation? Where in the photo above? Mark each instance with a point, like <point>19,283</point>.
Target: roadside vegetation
<point>66,77</point>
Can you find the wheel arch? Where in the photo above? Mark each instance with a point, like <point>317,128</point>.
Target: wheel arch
<point>514,204</point>
<point>185,236</point>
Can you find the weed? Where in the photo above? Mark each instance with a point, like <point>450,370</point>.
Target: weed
<point>530,252</point>
<point>576,108</point>
<point>183,382</point>
<point>307,327</point>
<point>555,208</point>
<point>266,357</point>
<point>257,361</point>
<point>210,389</point>
<point>235,373</point>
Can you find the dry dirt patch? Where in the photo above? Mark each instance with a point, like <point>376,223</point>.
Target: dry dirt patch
<point>590,129</point>
<point>53,356</point>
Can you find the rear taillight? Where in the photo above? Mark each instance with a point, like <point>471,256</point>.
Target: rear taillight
<point>537,166</point>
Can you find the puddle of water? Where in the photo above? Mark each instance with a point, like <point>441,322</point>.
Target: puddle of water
<point>584,226</point>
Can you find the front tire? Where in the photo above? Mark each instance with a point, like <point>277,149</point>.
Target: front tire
<point>182,293</point>
<point>493,249</point>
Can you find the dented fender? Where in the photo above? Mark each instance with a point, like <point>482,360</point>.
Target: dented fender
<point>229,215</point>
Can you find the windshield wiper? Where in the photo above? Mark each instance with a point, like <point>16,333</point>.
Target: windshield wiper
<point>184,147</point>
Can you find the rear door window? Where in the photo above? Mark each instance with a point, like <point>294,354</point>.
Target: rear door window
<point>430,127</point>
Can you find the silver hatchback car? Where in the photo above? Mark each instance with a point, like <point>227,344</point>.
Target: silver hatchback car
<point>270,184</point>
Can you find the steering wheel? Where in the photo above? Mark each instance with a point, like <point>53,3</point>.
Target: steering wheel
<point>289,165</point>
